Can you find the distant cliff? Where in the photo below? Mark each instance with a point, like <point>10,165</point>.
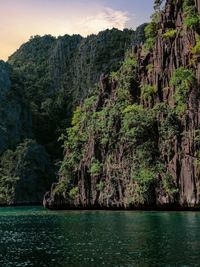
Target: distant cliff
<point>57,73</point>
<point>135,142</point>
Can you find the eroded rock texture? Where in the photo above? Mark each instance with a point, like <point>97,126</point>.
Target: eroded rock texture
<point>113,155</point>
<point>168,55</point>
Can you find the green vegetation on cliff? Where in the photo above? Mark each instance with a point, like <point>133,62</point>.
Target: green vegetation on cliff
<point>39,88</point>
<point>118,143</point>
<point>134,141</point>
<point>57,73</point>
<point>25,173</point>
<point>191,16</point>
<point>182,80</point>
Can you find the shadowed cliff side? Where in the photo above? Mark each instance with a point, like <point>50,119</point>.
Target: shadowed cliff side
<point>25,168</point>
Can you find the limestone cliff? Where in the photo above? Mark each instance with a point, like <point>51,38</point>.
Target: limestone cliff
<point>135,143</point>
<point>39,87</point>
<point>169,54</point>
<point>57,73</point>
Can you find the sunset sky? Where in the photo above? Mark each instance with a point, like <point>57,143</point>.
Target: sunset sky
<point>21,19</point>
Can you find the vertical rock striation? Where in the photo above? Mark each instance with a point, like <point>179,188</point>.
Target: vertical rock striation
<point>169,54</point>
<point>152,158</point>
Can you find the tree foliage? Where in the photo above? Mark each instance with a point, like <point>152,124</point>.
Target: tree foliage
<point>57,73</point>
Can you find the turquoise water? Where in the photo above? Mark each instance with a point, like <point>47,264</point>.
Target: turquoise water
<point>33,236</point>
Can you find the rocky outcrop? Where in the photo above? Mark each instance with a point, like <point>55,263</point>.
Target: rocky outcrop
<point>107,174</point>
<point>39,87</point>
<point>169,54</point>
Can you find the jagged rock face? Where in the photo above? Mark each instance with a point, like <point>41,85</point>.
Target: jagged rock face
<point>197,4</point>
<point>168,55</point>
<point>108,185</point>
<point>180,152</point>
<point>38,90</point>
<point>15,123</point>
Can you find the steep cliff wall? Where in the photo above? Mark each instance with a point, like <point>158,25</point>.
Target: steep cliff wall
<point>169,54</point>
<point>135,143</point>
<point>57,73</point>
<point>39,87</point>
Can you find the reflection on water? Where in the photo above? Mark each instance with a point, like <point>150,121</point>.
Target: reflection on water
<point>33,236</point>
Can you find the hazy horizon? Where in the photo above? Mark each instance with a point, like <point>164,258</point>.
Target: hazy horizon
<point>22,19</point>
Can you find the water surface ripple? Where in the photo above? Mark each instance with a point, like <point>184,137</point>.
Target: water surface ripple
<point>33,236</point>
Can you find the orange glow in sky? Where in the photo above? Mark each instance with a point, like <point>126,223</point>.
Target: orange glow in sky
<point>21,19</point>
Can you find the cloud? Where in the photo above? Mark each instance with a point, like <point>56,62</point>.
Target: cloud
<point>67,19</point>
<point>106,19</point>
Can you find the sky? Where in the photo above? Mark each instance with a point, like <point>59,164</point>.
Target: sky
<point>21,19</point>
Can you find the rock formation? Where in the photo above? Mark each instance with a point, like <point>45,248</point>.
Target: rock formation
<point>169,54</point>
<point>39,87</point>
<point>136,142</point>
